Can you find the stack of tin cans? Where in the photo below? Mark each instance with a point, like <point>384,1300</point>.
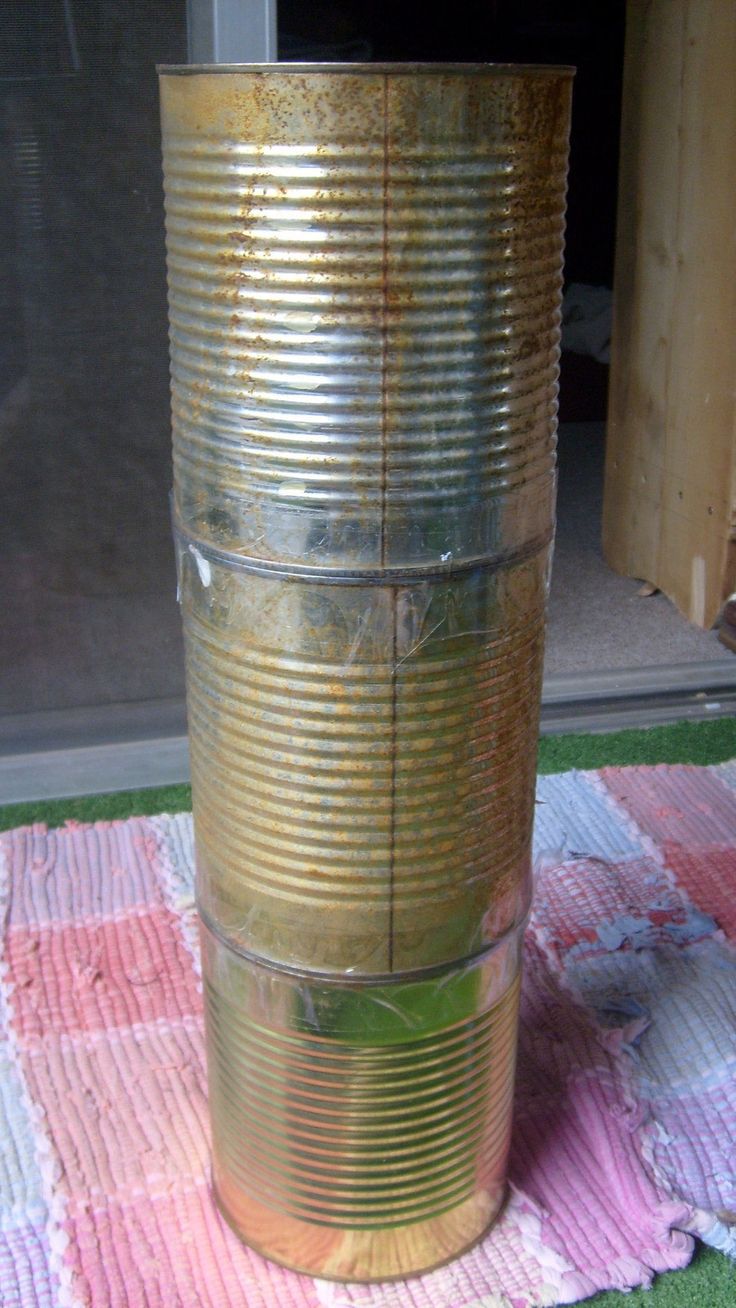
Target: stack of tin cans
<point>364,274</point>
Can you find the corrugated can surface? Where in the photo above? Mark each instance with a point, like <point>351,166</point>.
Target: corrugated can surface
<point>364,276</point>
<point>364,282</point>
<point>363,759</point>
<point>360,1132</point>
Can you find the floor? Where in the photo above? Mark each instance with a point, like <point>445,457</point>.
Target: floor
<point>598,620</point>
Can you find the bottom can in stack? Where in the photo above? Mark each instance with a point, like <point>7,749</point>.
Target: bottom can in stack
<point>361,1125</point>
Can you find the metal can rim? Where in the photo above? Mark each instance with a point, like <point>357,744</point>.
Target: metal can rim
<point>383,69</point>
<point>362,980</point>
<point>368,576</point>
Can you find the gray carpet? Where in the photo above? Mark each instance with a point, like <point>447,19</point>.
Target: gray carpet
<point>597,620</point>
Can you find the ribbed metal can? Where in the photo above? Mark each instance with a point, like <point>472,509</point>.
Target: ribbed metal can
<point>364,282</point>
<point>363,757</point>
<point>360,1128</point>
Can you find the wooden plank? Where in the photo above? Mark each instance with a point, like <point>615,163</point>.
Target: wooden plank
<point>669,512</point>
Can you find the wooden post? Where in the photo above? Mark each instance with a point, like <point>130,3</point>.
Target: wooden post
<point>669,512</point>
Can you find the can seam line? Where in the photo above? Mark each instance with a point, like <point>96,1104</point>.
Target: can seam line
<point>384,328</point>
<point>384,527</point>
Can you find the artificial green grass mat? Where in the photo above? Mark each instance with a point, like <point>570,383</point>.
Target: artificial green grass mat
<point>710,1279</point>
<point>96,808</point>
<point>680,742</point>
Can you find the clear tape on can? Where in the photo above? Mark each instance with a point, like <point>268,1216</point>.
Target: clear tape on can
<point>360,1128</point>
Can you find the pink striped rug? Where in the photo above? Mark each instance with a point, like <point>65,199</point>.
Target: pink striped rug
<point>626,1106</point>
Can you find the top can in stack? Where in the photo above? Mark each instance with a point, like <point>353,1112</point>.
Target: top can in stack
<point>364,276</point>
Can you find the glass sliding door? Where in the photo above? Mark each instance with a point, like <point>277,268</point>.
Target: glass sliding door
<point>89,613</point>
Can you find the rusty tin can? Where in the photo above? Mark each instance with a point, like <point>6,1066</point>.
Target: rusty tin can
<point>364,282</point>
<point>363,757</point>
<point>364,279</point>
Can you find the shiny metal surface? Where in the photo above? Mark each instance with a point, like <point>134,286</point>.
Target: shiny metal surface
<point>363,759</point>
<point>364,277</point>
<point>360,1131</point>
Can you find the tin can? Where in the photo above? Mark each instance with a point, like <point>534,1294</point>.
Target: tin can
<point>364,278</point>
<point>360,1128</point>
<point>363,757</point>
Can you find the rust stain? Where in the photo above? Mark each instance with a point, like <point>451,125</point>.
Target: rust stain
<point>303,285</point>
